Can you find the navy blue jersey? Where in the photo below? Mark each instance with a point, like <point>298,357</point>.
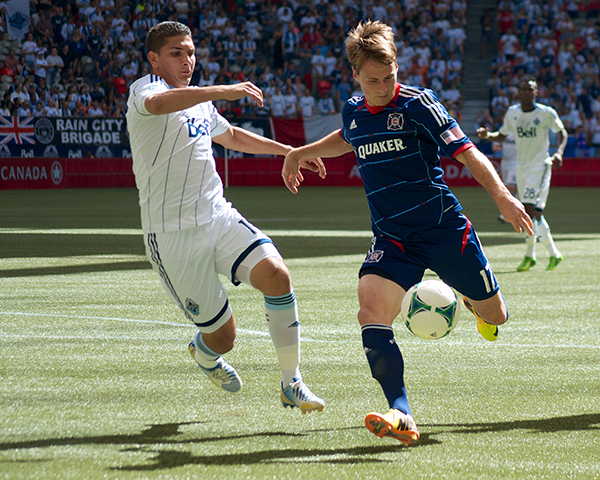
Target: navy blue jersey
<point>398,152</point>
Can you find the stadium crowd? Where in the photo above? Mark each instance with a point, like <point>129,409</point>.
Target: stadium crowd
<point>79,56</point>
<point>559,43</point>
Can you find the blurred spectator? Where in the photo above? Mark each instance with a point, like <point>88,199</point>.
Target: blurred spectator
<point>64,110</point>
<point>39,110</point>
<point>44,27</point>
<point>95,110</point>
<point>97,94</point>
<point>30,49</point>
<point>41,65</point>
<point>278,103</point>
<point>290,41</point>
<point>84,96</point>
<point>54,68</point>
<point>11,61</point>
<point>67,29</point>
<point>325,104</point>
<point>307,104</point>
<point>19,94</point>
<point>24,110</point>
<point>291,102</point>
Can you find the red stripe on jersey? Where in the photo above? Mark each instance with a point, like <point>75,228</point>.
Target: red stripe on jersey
<point>466,146</point>
<point>398,244</point>
<point>465,238</point>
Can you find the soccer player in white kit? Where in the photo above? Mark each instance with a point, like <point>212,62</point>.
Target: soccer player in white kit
<point>529,122</point>
<point>192,234</point>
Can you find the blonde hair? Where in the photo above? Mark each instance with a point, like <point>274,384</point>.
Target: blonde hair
<point>371,41</point>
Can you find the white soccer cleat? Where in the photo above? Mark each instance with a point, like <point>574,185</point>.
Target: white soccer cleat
<point>299,395</point>
<point>223,375</point>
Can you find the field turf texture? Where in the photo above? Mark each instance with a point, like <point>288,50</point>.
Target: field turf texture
<point>96,380</point>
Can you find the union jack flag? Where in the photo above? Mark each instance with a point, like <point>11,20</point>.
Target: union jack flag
<point>18,130</point>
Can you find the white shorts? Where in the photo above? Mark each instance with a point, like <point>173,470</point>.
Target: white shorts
<point>508,169</point>
<point>533,184</point>
<point>189,262</point>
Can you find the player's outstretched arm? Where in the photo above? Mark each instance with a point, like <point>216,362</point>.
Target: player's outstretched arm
<point>236,138</point>
<point>483,171</point>
<point>484,132</point>
<point>177,99</point>
<point>330,146</point>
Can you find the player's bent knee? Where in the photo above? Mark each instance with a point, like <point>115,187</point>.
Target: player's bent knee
<point>368,315</point>
<point>493,310</point>
<point>271,276</point>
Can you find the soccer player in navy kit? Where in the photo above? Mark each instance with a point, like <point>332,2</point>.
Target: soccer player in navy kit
<point>396,132</point>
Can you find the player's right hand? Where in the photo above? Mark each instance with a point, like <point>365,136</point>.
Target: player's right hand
<point>482,132</point>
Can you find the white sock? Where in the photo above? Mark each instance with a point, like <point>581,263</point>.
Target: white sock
<point>530,242</point>
<point>284,328</point>
<point>206,357</point>
<point>543,230</point>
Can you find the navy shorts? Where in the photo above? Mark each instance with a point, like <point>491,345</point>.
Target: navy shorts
<point>451,249</point>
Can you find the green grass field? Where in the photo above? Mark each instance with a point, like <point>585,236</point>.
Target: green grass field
<point>96,381</point>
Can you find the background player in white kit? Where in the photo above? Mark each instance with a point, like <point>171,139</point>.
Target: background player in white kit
<point>192,234</point>
<point>508,165</point>
<point>530,121</point>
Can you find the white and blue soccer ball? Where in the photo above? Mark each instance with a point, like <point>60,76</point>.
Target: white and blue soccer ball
<point>430,309</point>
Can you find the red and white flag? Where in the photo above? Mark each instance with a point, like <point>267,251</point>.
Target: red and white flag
<point>300,131</point>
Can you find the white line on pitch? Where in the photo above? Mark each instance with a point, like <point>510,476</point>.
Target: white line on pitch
<point>127,320</point>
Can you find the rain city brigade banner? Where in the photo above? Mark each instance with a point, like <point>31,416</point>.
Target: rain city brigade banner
<point>28,137</point>
<point>80,131</point>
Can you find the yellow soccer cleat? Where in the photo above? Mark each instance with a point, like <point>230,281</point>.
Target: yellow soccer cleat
<point>486,330</point>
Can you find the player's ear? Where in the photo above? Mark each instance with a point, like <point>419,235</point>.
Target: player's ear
<point>153,59</point>
<point>354,74</point>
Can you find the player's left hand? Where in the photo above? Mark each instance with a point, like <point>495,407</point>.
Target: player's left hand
<point>514,213</point>
<point>292,176</point>
<point>291,172</point>
<point>557,161</point>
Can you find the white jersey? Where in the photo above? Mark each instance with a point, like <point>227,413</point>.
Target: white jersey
<point>531,132</point>
<point>509,149</point>
<point>173,162</point>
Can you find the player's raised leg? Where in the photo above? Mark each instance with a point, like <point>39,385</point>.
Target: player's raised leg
<point>272,278</point>
<point>489,313</point>
<point>206,350</point>
<point>380,301</point>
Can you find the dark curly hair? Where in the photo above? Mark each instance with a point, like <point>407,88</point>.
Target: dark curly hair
<point>158,34</point>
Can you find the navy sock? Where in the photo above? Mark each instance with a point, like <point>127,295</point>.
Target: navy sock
<point>387,365</point>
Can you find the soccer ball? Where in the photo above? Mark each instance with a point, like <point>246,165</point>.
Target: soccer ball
<point>430,309</point>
